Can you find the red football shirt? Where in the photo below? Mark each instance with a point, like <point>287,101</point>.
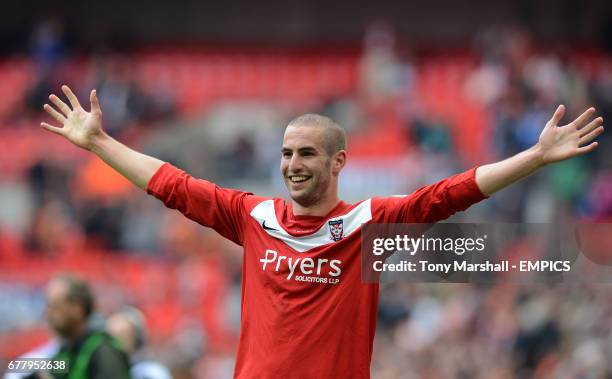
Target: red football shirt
<point>305,312</point>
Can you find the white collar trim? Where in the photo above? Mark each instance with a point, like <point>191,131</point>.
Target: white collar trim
<point>350,222</point>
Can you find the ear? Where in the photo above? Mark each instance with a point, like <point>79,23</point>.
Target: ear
<point>338,162</point>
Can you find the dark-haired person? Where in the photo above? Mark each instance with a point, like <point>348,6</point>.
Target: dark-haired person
<point>305,311</point>
<point>91,353</point>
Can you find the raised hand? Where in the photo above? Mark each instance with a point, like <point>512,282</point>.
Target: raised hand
<point>558,143</point>
<point>78,126</point>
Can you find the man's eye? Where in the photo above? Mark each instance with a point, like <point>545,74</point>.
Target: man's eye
<point>287,155</point>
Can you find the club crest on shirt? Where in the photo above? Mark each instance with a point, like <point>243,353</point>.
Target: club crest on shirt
<point>336,229</point>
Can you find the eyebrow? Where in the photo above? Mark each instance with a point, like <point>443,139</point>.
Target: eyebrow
<point>301,149</point>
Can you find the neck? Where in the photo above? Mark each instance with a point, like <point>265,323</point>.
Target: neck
<point>322,208</point>
<point>77,332</point>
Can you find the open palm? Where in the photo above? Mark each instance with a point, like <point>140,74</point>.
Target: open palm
<point>78,126</point>
<point>558,143</point>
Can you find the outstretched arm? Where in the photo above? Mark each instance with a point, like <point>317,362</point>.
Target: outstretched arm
<point>84,129</point>
<point>556,143</point>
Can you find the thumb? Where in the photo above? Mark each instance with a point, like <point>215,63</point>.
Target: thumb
<point>95,104</point>
<point>557,116</point>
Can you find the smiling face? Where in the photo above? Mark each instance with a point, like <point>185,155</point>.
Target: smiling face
<point>310,171</point>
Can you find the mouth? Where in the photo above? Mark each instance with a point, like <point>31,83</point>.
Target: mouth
<point>298,179</point>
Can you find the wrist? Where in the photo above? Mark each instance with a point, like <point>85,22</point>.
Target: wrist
<point>98,142</point>
<point>537,155</point>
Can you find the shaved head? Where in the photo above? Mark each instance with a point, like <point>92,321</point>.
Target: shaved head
<point>334,137</point>
<point>312,156</point>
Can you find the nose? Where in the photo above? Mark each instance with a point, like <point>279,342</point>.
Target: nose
<point>295,164</point>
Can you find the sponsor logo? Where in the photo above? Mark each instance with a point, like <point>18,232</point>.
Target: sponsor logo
<point>336,229</point>
<point>303,269</point>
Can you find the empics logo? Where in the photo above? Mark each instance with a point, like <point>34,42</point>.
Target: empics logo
<point>304,266</point>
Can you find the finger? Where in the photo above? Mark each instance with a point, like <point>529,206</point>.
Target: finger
<point>589,137</point>
<point>51,128</point>
<point>71,97</point>
<point>95,103</point>
<point>55,114</point>
<point>583,118</point>
<point>590,126</point>
<point>557,116</point>
<point>60,105</point>
<point>588,148</point>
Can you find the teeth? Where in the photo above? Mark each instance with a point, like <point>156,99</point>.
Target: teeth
<point>297,179</point>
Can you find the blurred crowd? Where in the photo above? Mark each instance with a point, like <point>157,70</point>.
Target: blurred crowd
<point>412,117</point>
<point>501,331</point>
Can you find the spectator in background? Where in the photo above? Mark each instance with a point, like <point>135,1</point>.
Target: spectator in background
<point>380,69</point>
<point>91,352</point>
<point>119,92</point>
<point>47,43</point>
<point>53,228</point>
<point>53,231</point>
<point>47,49</point>
<point>129,328</point>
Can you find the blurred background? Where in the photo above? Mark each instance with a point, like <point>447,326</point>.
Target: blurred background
<point>424,91</point>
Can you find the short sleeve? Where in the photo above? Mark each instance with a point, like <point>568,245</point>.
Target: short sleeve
<point>219,208</point>
<point>431,203</point>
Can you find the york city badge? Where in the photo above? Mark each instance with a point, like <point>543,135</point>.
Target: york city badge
<point>336,229</point>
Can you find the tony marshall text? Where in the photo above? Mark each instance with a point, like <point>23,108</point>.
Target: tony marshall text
<point>487,266</point>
